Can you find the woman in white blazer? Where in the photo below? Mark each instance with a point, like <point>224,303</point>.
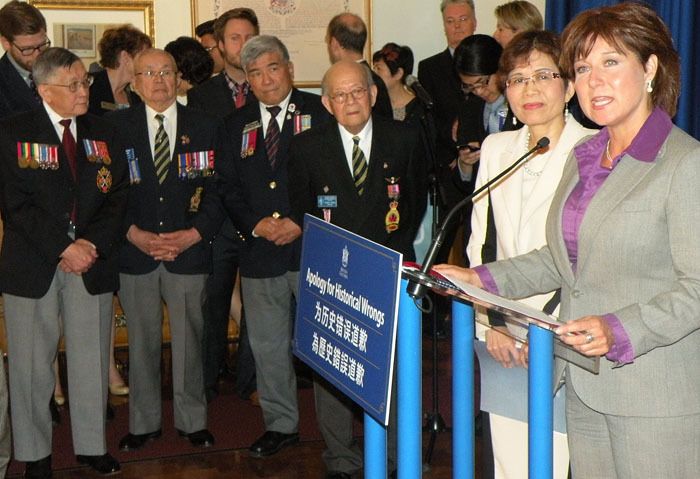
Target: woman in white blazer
<point>622,244</point>
<point>537,94</point>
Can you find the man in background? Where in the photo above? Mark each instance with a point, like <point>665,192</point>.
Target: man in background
<point>23,36</point>
<point>205,34</point>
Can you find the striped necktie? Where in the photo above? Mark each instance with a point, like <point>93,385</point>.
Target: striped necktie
<point>161,154</point>
<point>359,165</point>
<point>272,135</point>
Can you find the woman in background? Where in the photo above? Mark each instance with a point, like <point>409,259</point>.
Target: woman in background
<point>517,208</point>
<point>393,63</point>
<point>118,48</point>
<point>194,64</point>
<point>515,17</point>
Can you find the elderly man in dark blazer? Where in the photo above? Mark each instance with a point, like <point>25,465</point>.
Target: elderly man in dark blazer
<point>23,36</point>
<point>172,215</point>
<point>254,169</point>
<point>64,190</point>
<point>372,173</point>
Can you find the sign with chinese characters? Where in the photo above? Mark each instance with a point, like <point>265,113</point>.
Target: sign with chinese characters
<point>346,313</point>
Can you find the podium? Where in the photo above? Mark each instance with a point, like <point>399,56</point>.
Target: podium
<point>540,398</point>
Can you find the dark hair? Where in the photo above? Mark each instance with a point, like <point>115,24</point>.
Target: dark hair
<point>477,55</point>
<point>523,44</point>
<point>20,18</point>
<point>235,13</point>
<point>629,27</point>
<point>124,38</point>
<point>51,60</point>
<point>349,31</point>
<point>395,57</point>
<point>205,28</point>
<point>192,60</point>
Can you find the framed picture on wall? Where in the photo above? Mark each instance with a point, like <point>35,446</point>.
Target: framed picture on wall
<point>300,24</point>
<point>80,39</point>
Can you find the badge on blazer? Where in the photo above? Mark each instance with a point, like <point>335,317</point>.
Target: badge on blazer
<point>195,164</point>
<point>184,140</point>
<point>96,151</point>
<point>196,200</point>
<point>104,180</point>
<point>37,155</point>
<point>301,122</point>
<point>249,139</point>
<point>392,218</point>
<point>134,171</point>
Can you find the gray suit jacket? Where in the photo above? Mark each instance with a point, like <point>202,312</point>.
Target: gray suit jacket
<point>638,258</point>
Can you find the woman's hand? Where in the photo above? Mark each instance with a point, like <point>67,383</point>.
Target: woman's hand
<point>504,348</point>
<point>462,274</point>
<point>590,335</point>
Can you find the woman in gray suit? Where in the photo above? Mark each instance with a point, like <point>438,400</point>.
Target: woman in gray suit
<point>622,237</point>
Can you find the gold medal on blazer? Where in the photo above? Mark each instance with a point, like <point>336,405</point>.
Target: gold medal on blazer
<point>392,218</point>
<point>104,179</point>
<point>249,139</point>
<point>196,200</point>
<point>96,151</point>
<point>37,155</point>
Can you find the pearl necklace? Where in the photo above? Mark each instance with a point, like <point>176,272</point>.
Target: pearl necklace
<point>527,170</point>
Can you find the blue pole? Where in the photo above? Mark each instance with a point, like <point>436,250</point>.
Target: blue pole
<point>409,352</point>
<point>462,390</point>
<point>375,449</point>
<point>540,402</point>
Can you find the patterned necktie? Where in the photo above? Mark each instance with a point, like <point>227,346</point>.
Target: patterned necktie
<point>161,154</point>
<point>272,136</point>
<point>359,165</point>
<point>32,86</point>
<point>239,96</point>
<point>70,148</point>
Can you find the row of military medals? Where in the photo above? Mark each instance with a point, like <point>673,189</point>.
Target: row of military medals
<point>45,157</point>
<point>189,165</point>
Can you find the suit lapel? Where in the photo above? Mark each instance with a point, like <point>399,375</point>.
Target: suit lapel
<point>509,189</point>
<point>142,142</point>
<point>555,238</point>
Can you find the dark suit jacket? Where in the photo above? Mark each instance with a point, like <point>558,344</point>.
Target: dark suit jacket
<point>214,97</point>
<point>15,95</point>
<point>167,207</point>
<point>252,190</point>
<point>318,166</point>
<point>101,91</point>
<point>37,203</point>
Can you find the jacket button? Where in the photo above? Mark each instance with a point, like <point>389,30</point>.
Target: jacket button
<point>161,199</point>
<point>160,223</point>
<point>576,293</point>
<point>273,185</point>
<point>276,214</point>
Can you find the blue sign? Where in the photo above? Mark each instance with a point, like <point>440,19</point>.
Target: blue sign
<point>346,313</point>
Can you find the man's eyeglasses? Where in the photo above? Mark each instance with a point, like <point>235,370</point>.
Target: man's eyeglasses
<point>29,51</point>
<point>341,96</point>
<point>539,78</point>
<point>477,85</point>
<point>75,85</point>
<point>160,73</point>
<point>209,49</point>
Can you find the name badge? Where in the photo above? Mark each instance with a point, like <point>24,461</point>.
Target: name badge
<point>327,201</point>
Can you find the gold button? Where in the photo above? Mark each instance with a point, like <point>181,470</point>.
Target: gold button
<point>276,214</point>
<point>273,185</point>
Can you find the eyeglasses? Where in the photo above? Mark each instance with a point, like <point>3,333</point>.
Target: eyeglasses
<point>478,85</point>
<point>75,85</point>
<point>29,51</point>
<point>164,74</point>
<point>209,49</point>
<point>539,78</point>
<point>454,21</point>
<point>341,96</point>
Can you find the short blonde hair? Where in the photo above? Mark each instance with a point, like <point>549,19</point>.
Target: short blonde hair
<point>520,15</point>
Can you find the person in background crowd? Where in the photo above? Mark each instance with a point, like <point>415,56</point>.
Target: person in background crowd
<point>515,17</point>
<point>622,246</point>
<point>393,63</point>
<point>23,37</point>
<point>345,38</point>
<point>337,159</point>
<point>253,167</point>
<point>205,34</point>
<point>173,213</point>
<point>111,88</point>
<point>221,96</point>
<point>512,216</point>
<point>63,215</point>
<point>193,63</point>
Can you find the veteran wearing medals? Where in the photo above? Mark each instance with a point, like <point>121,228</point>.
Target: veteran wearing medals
<point>172,215</point>
<point>366,174</point>
<point>64,190</point>
<point>254,169</point>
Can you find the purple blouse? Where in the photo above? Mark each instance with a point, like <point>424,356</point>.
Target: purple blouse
<point>644,147</point>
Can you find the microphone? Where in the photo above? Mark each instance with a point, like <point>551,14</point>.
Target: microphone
<point>413,83</point>
<point>417,290</point>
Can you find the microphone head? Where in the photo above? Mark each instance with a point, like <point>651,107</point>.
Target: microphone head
<point>542,142</point>
<point>410,80</point>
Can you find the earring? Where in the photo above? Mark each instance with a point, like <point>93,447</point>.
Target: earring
<point>515,121</point>
<point>649,87</point>
<point>566,111</point>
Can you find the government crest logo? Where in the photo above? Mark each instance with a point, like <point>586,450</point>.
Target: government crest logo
<point>282,7</point>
